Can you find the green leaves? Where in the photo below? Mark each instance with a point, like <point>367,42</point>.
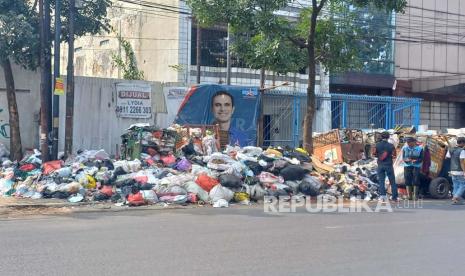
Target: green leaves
<point>19,27</point>
<point>263,39</point>
<point>90,19</point>
<point>129,64</point>
<point>19,34</point>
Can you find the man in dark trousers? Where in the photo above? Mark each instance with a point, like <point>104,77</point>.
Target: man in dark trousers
<point>412,155</point>
<point>457,169</point>
<point>385,152</point>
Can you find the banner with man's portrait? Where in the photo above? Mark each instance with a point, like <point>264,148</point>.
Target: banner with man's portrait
<point>235,109</point>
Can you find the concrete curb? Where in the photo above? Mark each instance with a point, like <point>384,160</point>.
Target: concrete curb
<point>91,207</point>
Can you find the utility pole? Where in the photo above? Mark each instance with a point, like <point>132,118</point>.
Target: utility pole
<point>260,128</point>
<point>70,83</point>
<point>44,107</point>
<point>228,58</point>
<point>199,50</point>
<point>56,74</point>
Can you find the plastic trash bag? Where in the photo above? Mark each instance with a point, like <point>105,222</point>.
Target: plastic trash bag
<point>71,188</point>
<point>293,173</point>
<point>128,166</point>
<point>168,160</point>
<point>218,161</point>
<point>64,172</point>
<point>184,165</point>
<point>150,196</point>
<point>178,199</point>
<point>5,185</point>
<point>257,192</point>
<point>242,198</point>
<point>294,185</point>
<point>51,166</point>
<point>269,178</point>
<point>76,198</point>
<point>230,181</point>
<point>310,186</point>
<point>136,199</point>
<point>209,145</point>
<point>219,192</point>
<point>221,203</point>
<point>206,182</point>
<point>192,187</point>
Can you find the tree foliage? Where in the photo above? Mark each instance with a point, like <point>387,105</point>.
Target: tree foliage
<point>265,39</point>
<point>90,19</point>
<point>20,44</point>
<point>19,33</point>
<point>319,35</point>
<point>128,64</point>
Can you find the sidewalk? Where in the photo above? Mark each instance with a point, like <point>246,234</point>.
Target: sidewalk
<point>20,207</point>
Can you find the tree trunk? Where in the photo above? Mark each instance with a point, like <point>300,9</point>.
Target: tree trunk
<point>308,120</point>
<point>69,120</point>
<point>16,152</point>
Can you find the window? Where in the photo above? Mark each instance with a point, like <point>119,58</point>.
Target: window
<point>104,42</point>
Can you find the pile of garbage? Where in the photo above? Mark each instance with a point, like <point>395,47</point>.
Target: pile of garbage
<point>181,166</point>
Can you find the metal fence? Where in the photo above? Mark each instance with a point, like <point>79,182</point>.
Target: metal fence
<point>284,114</point>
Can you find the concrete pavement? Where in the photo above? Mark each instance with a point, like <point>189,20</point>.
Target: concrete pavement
<point>237,241</point>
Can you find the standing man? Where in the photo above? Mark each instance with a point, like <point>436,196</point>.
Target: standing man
<point>385,152</point>
<point>457,169</point>
<point>412,155</point>
<point>223,108</point>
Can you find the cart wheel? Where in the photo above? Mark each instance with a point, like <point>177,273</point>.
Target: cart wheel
<point>439,188</point>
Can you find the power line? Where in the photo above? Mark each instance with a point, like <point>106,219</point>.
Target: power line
<point>166,8</point>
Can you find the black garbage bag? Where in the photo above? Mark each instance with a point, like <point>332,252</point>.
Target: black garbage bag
<point>293,173</point>
<point>254,167</point>
<point>47,193</point>
<point>279,192</point>
<point>266,158</point>
<point>163,174</point>
<point>116,197</point>
<point>294,185</point>
<point>101,197</point>
<point>189,149</point>
<point>117,172</point>
<point>126,190</point>
<point>124,183</point>
<point>61,195</point>
<point>146,186</point>
<point>230,181</point>
<point>109,164</point>
<point>299,156</point>
<point>310,186</point>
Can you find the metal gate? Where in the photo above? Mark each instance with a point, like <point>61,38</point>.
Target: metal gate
<point>284,114</point>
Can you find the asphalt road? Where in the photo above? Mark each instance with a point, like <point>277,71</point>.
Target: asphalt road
<point>237,241</point>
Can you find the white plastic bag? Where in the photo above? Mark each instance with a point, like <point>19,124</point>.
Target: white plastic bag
<point>219,192</point>
<point>192,187</point>
<point>150,196</point>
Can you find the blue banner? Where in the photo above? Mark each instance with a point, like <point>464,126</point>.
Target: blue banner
<point>235,109</point>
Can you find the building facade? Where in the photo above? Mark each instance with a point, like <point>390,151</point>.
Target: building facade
<point>163,37</point>
<point>430,60</point>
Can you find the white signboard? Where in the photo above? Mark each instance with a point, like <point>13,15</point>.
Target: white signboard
<point>134,100</point>
<point>173,99</point>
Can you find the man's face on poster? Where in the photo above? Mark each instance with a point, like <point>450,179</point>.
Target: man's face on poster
<point>222,108</point>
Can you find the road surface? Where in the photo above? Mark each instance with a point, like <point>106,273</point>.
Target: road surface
<point>237,241</point>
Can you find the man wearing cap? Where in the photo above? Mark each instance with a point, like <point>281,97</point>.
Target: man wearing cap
<point>412,155</point>
<point>457,169</point>
<point>385,152</point>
